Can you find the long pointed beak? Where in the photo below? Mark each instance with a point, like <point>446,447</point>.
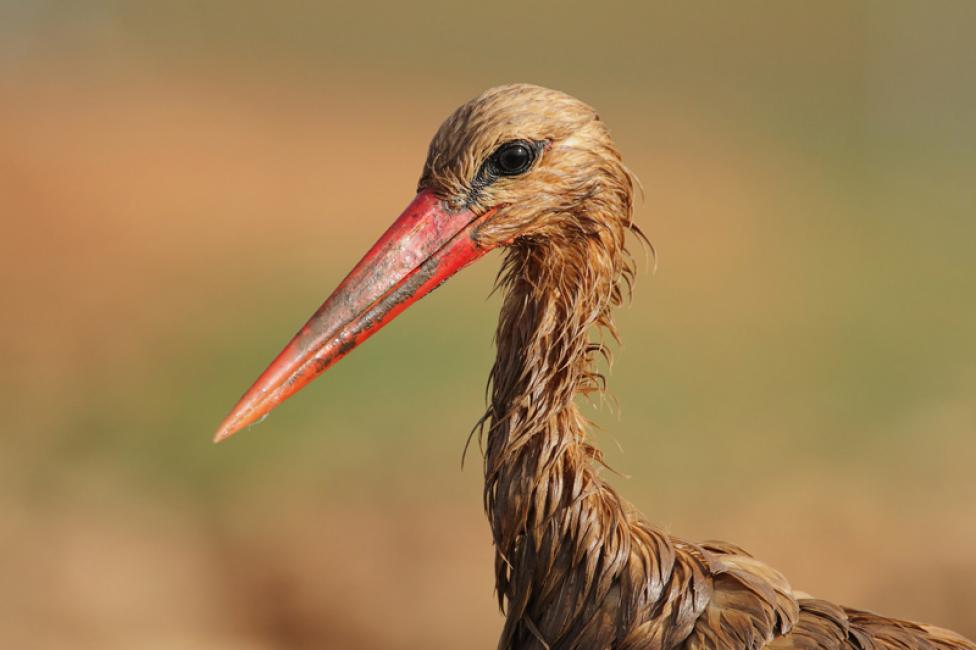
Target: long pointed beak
<point>424,247</point>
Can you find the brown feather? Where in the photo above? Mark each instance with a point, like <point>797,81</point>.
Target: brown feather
<point>576,567</point>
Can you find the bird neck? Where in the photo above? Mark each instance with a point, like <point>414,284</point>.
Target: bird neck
<point>539,468</point>
<point>556,299</point>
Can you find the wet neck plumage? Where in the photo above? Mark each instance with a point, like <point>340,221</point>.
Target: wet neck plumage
<point>539,469</point>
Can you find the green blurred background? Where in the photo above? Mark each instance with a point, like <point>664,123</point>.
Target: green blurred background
<point>182,183</point>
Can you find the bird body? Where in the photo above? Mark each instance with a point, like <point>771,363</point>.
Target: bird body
<point>577,567</point>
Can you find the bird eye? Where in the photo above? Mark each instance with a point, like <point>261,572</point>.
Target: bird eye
<point>513,158</point>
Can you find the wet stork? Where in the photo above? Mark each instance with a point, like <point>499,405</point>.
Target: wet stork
<point>534,171</point>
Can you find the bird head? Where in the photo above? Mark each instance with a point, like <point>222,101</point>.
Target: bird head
<point>530,154</point>
<point>517,164</point>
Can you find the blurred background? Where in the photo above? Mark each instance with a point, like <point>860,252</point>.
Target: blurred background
<point>182,183</point>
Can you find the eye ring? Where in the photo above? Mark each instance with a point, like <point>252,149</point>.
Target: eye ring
<point>513,158</point>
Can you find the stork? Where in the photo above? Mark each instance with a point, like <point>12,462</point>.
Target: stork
<point>535,171</point>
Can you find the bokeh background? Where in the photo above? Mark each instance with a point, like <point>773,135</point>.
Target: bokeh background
<point>182,183</point>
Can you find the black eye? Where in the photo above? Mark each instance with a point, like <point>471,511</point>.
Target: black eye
<point>513,158</point>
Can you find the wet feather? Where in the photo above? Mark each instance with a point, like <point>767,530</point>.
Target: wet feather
<point>576,566</point>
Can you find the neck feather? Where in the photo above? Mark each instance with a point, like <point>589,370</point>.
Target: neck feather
<point>543,497</point>
<point>575,565</point>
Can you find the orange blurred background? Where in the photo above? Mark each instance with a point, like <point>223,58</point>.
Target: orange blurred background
<point>182,183</point>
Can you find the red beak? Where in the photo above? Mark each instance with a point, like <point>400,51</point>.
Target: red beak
<point>424,247</point>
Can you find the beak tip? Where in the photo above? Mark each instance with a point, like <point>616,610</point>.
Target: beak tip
<point>227,428</point>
